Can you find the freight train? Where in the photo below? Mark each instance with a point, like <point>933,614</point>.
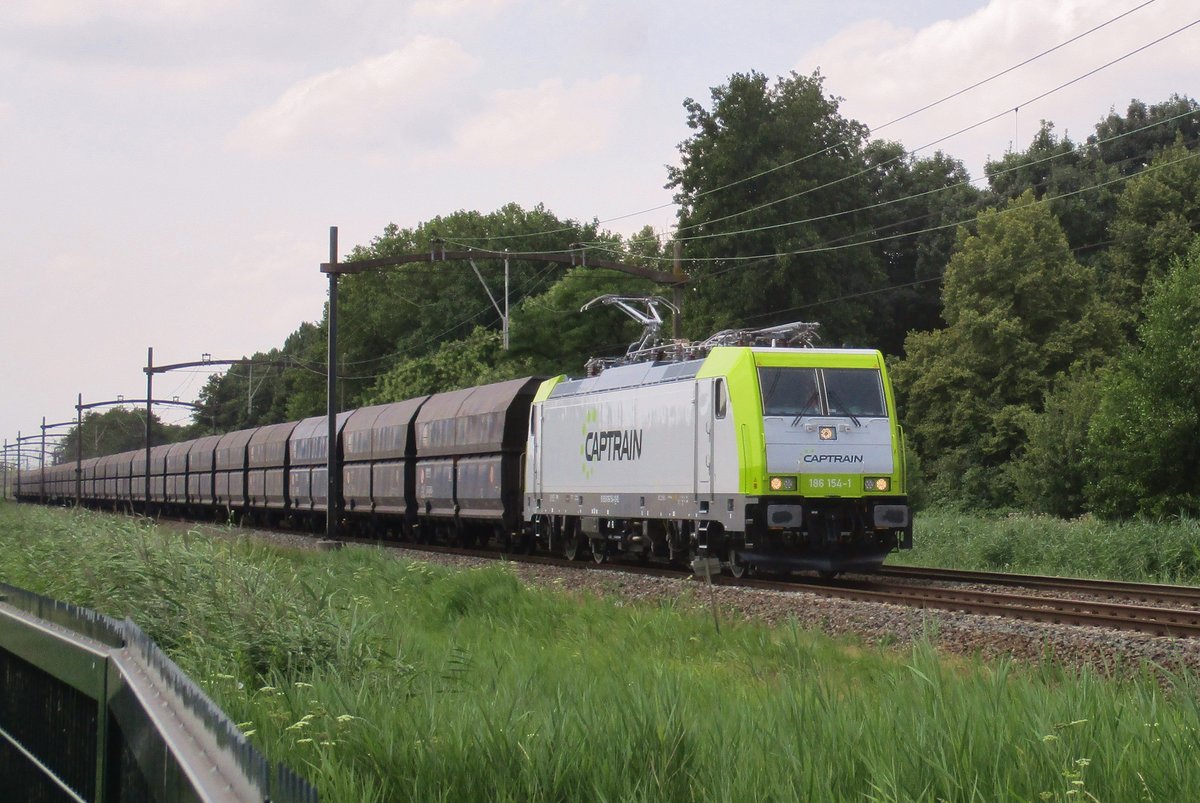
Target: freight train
<point>761,456</point>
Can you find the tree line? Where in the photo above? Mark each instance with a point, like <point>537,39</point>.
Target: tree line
<point>1041,322</point>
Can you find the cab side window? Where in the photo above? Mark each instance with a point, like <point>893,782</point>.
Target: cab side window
<point>719,405</point>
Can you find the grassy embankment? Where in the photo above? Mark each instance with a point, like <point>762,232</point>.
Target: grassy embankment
<point>1087,547</point>
<point>382,679</point>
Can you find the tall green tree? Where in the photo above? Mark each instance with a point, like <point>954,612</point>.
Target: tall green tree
<point>915,201</point>
<point>1020,312</point>
<point>1052,473</point>
<point>282,384</point>
<point>771,170</point>
<point>388,317</point>
<point>1147,129</point>
<point>1158,214</point>
<point>118,429</point>
<point>1144,441</point>
<point>552,333</point>
<point>474,360</point>
<point>1071,179</point>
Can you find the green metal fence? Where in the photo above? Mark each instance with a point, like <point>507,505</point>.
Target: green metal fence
<point>92,711</point>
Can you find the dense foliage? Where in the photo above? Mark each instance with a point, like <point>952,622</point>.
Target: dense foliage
<point>1144,440</point>
<point>1002,301</point>
<point>118,429</point>
<point>1020,313</point>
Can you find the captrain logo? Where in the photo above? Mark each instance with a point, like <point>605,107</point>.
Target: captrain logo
<point>612,445</point>
<point>833,458</point>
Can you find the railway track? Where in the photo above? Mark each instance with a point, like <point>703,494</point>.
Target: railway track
<point>1171,611</point>
<point>1143,618</point>
<point>1148,593</point>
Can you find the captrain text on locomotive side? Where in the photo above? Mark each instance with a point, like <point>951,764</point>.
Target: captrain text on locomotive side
<point>780,457</point>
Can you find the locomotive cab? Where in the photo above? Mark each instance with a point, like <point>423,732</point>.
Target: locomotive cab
<point>833,463</point>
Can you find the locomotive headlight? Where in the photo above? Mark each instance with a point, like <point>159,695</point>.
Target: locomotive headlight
<point>782,483</point>
<point>827,434</point>
<point>876,483</point>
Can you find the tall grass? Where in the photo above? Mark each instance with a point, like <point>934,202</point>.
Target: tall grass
<point>420,683</point>
<point>1165,552</point>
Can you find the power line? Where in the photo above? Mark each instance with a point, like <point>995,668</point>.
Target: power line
<point>837,245</point>
<point>940,140</point>
<point>934,191</point>
<point>1004,72</point>
<point>915,283</point>
<point>965,221</point>
<point>875,129</point>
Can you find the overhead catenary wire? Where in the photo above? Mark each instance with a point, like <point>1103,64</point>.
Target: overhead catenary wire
<point>893,288</point>
<point>935,190</point>
<point>533,283</point>
<point>874,129</point>
<point>1043,200</point>
<point>940,140</point>
<point>748,260</point>
<point>837,244</point>
<point>869,207</point>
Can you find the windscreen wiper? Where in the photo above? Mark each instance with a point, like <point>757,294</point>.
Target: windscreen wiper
<point>815,397</point>
<point>834,398</point>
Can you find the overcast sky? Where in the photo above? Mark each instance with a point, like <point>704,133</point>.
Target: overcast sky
<point>169,169</point>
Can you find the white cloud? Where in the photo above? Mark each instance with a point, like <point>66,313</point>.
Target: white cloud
<point>885,71</point>
<point>390,100</point>
<point>544,123</point>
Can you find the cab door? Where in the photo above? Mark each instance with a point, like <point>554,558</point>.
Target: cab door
<point>704,438</point>
<point>533,454</point>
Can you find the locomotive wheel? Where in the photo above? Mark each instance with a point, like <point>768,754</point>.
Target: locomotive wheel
<point>573,550</point>
<point>599,549</point>
<point>680,552</point>
<point>737,567</point>
<point>572,547</point>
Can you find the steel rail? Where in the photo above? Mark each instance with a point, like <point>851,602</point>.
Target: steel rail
<point>1174,622</point>
<point>1122,589</point>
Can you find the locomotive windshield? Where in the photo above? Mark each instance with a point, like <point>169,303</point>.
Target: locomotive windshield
<point>850,392</point>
